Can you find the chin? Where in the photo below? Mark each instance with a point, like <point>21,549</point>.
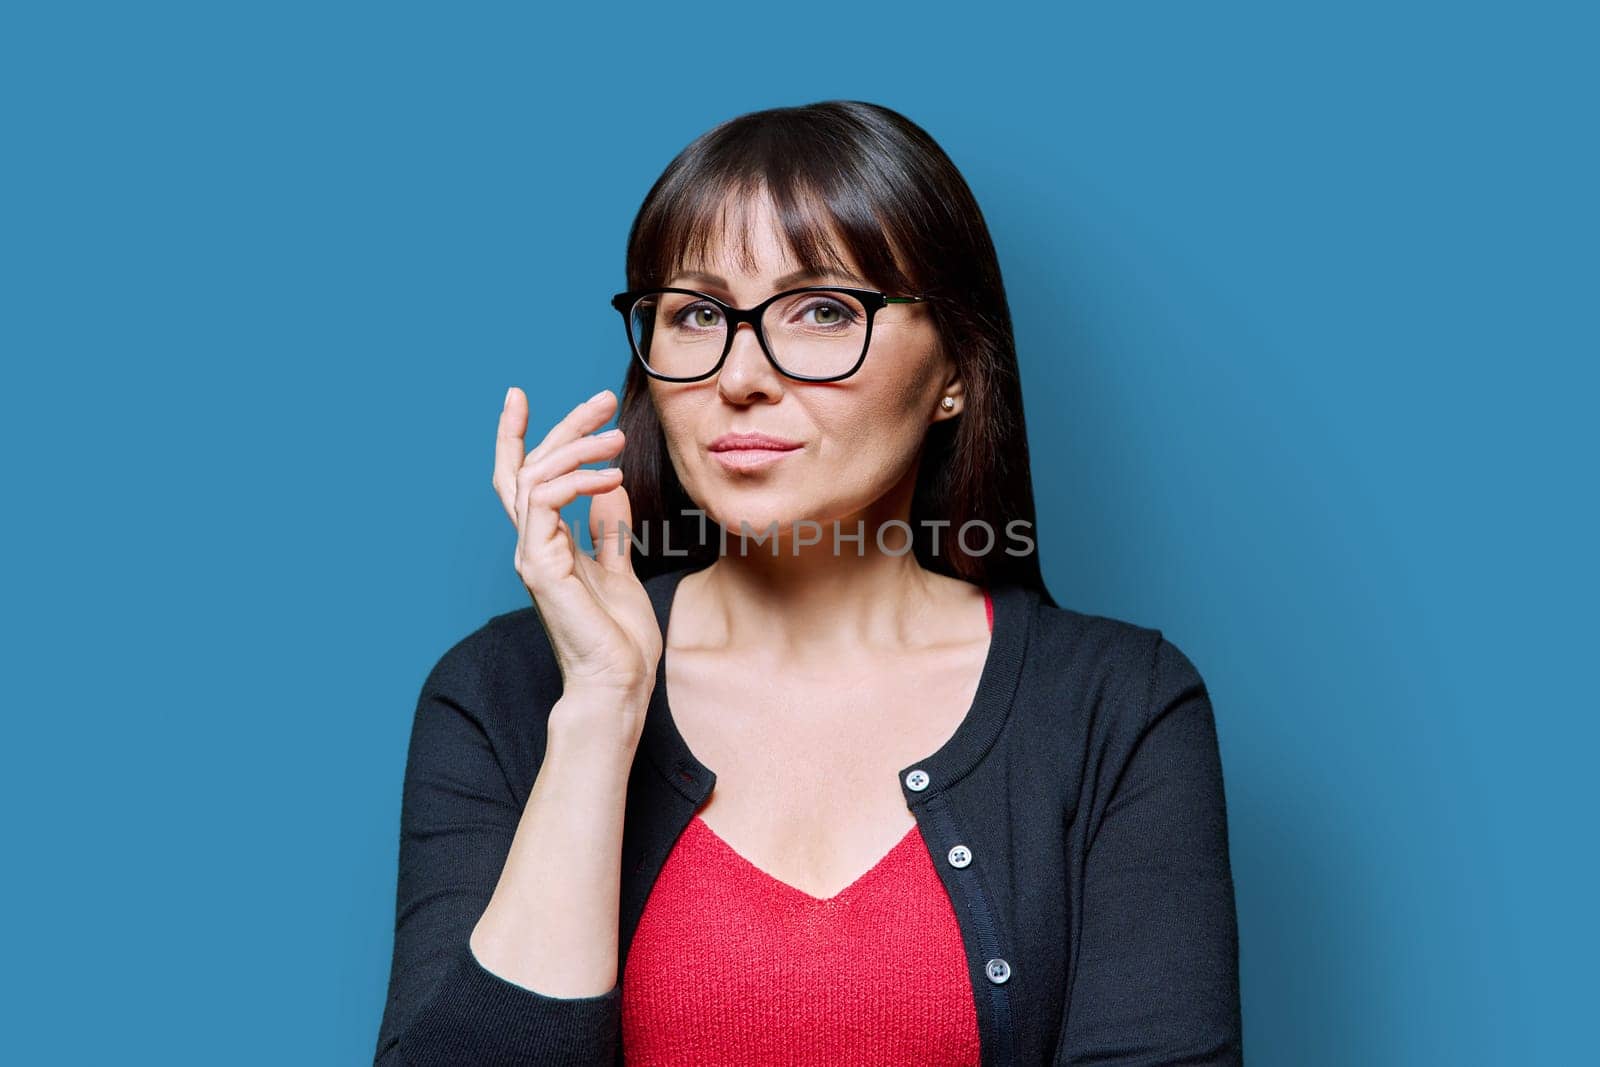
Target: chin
<point>757,509</point>
<point>757,519</point>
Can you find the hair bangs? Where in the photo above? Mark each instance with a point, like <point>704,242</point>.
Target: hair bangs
<point>825,224</point>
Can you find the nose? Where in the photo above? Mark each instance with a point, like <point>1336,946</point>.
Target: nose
<point>746,375</point>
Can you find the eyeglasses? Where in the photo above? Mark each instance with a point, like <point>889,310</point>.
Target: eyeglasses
<point>815,333</point>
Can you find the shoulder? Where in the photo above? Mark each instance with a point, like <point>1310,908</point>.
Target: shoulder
<point>1102,675</point>
<point>507,666</point>
<point>479,661</point>
<point>497,683</point>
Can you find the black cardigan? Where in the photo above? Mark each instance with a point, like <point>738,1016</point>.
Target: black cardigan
<point>1097,907</point>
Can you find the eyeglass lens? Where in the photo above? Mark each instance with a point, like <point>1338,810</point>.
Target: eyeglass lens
<point>817,334</point>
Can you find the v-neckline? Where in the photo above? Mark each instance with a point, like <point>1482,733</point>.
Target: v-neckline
<point>1009,633</point>
<point>780,885</point>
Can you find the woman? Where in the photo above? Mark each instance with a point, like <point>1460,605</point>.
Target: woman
<point>901,807</point>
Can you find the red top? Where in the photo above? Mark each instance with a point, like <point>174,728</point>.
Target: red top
<point>874,974</point>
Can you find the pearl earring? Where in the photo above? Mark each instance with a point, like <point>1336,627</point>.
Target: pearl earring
<point>948,403</point>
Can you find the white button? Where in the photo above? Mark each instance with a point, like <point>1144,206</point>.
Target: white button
<point>917,780</point>
<point>960,856</point>
<point>998,970</point>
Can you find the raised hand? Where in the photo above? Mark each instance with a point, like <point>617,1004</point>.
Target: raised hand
<point>594,609</point>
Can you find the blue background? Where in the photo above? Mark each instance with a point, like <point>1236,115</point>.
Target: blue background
<point>1305,307</point>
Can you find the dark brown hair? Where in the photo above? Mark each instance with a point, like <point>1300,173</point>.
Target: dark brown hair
<point>876,182</point>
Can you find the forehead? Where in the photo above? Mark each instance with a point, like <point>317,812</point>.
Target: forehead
<point>746,235</point>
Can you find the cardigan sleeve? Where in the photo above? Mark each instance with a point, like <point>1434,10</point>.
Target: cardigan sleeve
<point>457,820</point>
<point>1154,976</point>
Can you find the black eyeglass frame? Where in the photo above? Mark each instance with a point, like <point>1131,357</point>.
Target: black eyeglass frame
<point>872,300</point>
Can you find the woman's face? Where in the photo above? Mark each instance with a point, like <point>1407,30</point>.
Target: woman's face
<point>856,440</point>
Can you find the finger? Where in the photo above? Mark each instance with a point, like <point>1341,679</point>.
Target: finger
<point>610,530</point>
<point>584,418</point>
<point>545,500</point>
<point>542,565</point>
<point>590,448</point>
<point>546,546</point>
<point>508,444</point>
<point>587,416</point>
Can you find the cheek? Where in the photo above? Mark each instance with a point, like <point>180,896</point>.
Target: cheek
<point>889,418</point>
<point>673,418</point>
<point>876,436</point>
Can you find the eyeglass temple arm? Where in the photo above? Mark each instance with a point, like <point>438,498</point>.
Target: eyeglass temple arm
<point>904,299</point>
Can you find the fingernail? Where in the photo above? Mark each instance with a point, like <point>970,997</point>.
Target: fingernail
<point>507,401</point>
<point>597,396</point>
<point>613,432</point>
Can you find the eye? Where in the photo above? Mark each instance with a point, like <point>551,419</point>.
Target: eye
<point>829,313</point>
<point>699,316</point>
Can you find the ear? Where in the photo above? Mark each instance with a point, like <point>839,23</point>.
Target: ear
<point>956,391</point>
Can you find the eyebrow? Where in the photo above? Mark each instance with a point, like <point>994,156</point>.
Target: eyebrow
<point>782,283</point>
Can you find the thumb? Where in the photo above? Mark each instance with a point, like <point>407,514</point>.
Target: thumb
<point>610,530</point>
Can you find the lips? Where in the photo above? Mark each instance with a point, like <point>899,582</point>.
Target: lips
<point>745,453</point>
<point>752,442</point>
